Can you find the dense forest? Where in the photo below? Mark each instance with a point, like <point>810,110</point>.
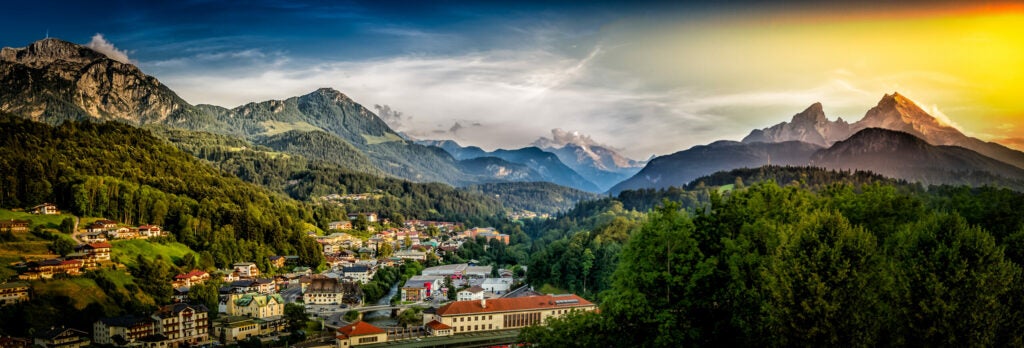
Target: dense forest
<point>124,173</point>
<point>862,262</point>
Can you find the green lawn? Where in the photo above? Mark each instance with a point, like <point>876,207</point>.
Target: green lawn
<point>51,221</point>
<point>125,251</point>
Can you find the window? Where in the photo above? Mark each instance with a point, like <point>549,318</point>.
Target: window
<point>490,317</point>
<point>368,339</point>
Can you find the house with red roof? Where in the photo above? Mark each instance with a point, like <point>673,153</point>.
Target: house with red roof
<point>506,313</point>
<point>359,333</point>
<point>189,279</point>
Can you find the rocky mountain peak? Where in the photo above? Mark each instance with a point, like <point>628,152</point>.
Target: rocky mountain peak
<point>50,50</point>
<point>813,114</point>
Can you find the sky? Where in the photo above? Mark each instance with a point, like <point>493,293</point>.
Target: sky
<point>641,77</point>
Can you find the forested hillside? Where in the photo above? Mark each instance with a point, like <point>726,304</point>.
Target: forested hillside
<point>124,173</point>
<point>860,261</point>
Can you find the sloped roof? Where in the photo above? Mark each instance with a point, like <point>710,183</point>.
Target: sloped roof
<point>359,328</point>
<point>437,325</point>
<point>513,304</point>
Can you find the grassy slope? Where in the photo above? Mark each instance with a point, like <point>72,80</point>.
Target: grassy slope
<point>51,221</point>
<point>125,251</point>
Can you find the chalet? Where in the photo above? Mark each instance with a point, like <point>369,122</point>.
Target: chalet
<point>46,269</point>
<point>122,233</point>
<point>189,279</point>
<point>182,323</point>
<point>122,331</point>
<point>506,313</point>
<point>339,225</point>
<point>96,252</point>
<point>14,292</point>
<point>359,333</point>
<point>370,217</point>
<point>277,261</point>
<point>246,269</point>
<point>14,226</point>
<point>45,209</point>
<point>106,224</point>
<point>148,231</point>
<point>62,337</point>
<point>330,248</point>
<point>474,293</point>
<point>94,237</point>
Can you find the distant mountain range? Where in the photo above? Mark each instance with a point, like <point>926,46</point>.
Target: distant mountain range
<point>895,138</point>
<point>54,81</point>
<point>546,164</point>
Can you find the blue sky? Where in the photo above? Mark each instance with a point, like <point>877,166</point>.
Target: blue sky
<point>644,77</point>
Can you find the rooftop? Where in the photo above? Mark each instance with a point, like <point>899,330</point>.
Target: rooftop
<point>513,304</point>
<point>359,328</point>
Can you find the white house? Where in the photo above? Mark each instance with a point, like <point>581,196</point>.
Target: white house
<point>472,294</point>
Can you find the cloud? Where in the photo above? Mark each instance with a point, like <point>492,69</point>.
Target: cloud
<point>393,118</point>
<point>101,45</point>
<point>455,128</point>
<point>561,138</point>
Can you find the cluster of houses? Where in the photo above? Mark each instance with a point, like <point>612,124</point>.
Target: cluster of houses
<point>173,325</point>
<point>475,280</point>
<point>86,256</point>
<point>104,230</point>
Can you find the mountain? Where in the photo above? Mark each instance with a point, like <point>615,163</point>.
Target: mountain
<point>893,112</point>
<point>809,126</point>
<point>597,163</point>
<point>499,169</point>
<point>54,81</point>
<point>679,168</point>
<point>546,164</point>
<point>903,155</point>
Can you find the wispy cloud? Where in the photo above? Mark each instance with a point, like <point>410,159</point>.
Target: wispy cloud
<point>101,45</point>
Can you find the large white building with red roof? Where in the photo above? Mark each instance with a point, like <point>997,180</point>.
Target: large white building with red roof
<point>359,333</point>
<point>505,313</point>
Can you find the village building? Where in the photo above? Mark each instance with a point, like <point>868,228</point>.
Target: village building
<point>182,323</point>
<point>45,209</point>
<point>340,225</point>
<point>96,253</point>
<point>148,231</point>
<point>246,269</point>
<point>418,288</point>
<point>122,331</point>
<point>62,337</point>
<point>411,255</point>
<point>189,279</point>
<point>497,286</point>
<point>14,226</point>
<point>15,342</point>
<point>260,306</point>
<point>46,269</point>
<point>474,293</point>
<point>358,273</point>
<point>324,291</point>
<point>506,313</point>
<point>488,233</point>
<point>359,333</point>
<point>14,292</point>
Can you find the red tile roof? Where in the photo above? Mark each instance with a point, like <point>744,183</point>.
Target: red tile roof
<point>437,325</point>
<point>193,273</point>
<point>513,304</point>
<point>99,245</point>
<point>359,328</point>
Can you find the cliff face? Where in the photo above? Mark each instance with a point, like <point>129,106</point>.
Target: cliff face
<point>53,81</point>
<point>809,126</point>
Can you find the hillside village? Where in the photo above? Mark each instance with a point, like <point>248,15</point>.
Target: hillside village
<point>432,297</point>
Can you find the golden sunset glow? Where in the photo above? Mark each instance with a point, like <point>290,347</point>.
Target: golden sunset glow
<point>964,63</point>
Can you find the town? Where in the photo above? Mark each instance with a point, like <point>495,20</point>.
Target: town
<point>400,284</point>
